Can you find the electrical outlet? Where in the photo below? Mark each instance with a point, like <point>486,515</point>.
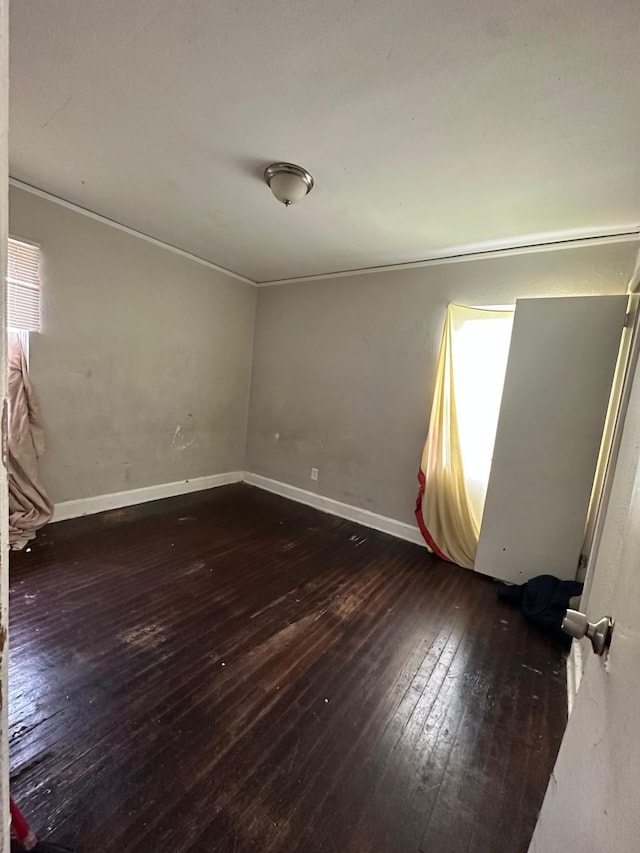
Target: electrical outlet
<point>314,473</point>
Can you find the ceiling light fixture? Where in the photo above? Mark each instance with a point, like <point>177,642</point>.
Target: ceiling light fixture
<point>288,183</point>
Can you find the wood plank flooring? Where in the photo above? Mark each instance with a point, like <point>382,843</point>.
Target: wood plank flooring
<point>229,671</point>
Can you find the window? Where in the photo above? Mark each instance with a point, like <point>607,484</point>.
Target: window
<point>454,472</point>
<point>481,341</point>
<point>23,286</point>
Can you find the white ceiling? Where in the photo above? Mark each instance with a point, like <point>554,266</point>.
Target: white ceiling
<point>427,124</point>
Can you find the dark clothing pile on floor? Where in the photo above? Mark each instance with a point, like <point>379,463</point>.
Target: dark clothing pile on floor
<point>543,601</point>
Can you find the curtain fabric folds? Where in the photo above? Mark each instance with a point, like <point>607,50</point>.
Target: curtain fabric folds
<point>456,460</point>
<point>29,505</point>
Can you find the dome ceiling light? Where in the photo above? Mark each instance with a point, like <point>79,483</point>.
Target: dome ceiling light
<point>288,182</point>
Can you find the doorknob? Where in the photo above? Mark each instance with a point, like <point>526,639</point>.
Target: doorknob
<point>577,625</point>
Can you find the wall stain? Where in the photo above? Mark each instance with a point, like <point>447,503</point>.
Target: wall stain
<point>180,440</point>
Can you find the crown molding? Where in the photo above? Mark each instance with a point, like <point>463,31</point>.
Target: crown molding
<point>485,251</point>
<point>547,242</point>
<point>14,182</point>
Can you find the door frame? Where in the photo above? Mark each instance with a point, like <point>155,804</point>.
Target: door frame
<point>628,359</point>
<point>4,496</point>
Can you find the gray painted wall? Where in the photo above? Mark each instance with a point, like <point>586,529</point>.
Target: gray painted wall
<point>143,365</point>
<point>344,367</point>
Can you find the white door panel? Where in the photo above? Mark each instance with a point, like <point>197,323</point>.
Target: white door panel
<point>592,799</point>
<point>561,363</point>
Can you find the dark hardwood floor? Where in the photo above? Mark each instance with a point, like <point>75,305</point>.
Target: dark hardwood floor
<point>229,671</point>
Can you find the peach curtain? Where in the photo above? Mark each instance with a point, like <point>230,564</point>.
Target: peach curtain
<point>29,505</point>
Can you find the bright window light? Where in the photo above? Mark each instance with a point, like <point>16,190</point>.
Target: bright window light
<point>480,348</point>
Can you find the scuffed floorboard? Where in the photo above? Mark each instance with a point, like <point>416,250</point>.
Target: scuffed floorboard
<point>229,671</point>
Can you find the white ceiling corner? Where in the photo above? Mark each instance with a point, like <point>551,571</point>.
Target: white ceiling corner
<point>426,125</point>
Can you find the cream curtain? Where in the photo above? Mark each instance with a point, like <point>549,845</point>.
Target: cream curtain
<point>456,461</point>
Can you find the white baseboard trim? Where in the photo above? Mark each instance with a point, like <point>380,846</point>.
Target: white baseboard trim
<point>399,529</point>
<point>100,503</point>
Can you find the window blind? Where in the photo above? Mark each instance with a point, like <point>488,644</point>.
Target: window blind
<point>23,286</point>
